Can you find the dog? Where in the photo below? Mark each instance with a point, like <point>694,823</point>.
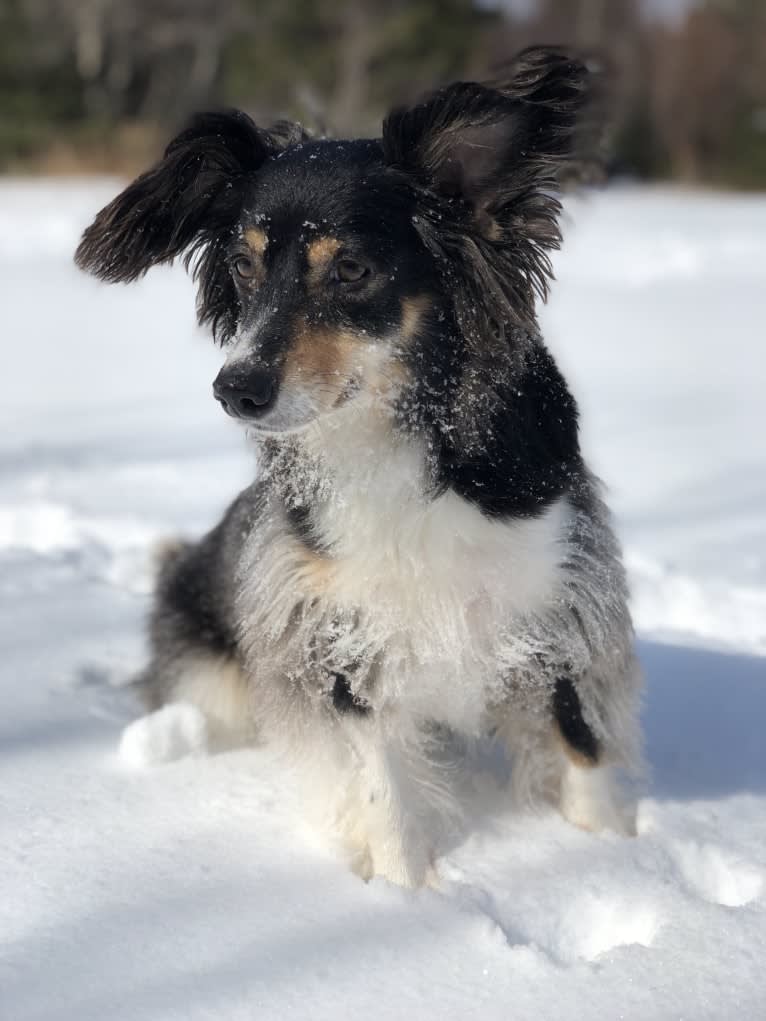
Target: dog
<point>424,551</point>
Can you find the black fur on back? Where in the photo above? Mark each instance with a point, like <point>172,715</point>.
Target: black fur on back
<point>194,593</point>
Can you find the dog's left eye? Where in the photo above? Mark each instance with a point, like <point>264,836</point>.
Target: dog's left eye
<point>244,267</point>
<point>348,271</point>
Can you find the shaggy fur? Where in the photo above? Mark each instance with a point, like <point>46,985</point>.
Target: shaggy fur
<point>424,550</point>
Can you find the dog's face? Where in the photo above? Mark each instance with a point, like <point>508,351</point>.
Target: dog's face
<point>337,273</point>
<point>330,285</point>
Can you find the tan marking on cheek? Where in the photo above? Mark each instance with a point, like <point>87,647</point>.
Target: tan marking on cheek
<point>325,362</point>
<point>321,359</point>
<point>413,310</point>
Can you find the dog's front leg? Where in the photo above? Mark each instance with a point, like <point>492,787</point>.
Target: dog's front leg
<point>385,819</point>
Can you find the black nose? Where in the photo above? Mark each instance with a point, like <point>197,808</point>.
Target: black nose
<point>245,395</point>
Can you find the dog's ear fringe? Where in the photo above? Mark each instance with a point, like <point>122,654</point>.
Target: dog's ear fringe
<point>159,215</point>
<point>573,88</point>
<point>493,218</point>
<point>187,203</point>
<point>551,100</point>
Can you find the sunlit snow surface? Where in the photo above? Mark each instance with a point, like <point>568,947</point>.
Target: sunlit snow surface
<point>192,889</point>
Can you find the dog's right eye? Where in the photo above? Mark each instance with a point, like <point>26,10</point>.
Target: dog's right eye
<point>244,267</point>
<point>349,271</point>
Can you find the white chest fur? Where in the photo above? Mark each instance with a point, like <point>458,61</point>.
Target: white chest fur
<point>430,584</point>
<point>397,545</point>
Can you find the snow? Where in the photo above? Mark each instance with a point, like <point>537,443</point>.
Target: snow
<point>170,733</point>
<point>142,879</point>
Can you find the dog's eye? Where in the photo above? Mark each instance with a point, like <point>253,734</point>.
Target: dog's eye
<point>244,267</point>
<point>348,271</point>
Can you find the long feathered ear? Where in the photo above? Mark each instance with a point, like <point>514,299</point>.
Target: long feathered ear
<point>189,203</point>
<point>485,158</point>
<point>194,188</point>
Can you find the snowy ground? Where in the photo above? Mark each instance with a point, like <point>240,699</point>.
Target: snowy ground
<point>193,890</point>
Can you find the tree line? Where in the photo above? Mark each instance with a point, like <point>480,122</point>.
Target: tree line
<point>98,84</point>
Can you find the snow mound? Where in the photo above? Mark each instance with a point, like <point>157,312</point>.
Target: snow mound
<point>715,874</point>
<point>596,923</point>
<point>173,732</point>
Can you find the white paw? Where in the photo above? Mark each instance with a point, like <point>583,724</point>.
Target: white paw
<point>360,861</point>
<point>408,870</point>
<point>173,732</point>
<point>409,865</point>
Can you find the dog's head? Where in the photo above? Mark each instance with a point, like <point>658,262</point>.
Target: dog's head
<point>340,271</point>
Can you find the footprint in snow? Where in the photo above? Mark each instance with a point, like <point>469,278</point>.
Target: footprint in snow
<point>592,925</point>
<point>596,923</point>
<point>717,875</point>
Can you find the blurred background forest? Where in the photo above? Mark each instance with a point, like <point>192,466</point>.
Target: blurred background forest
<point>98,85</point>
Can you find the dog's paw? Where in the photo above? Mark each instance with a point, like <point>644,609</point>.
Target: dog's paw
<point>360,860</point>
<point>173,732</point>
<point>409,870</point>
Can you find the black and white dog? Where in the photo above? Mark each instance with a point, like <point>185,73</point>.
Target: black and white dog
<point>424,550</point>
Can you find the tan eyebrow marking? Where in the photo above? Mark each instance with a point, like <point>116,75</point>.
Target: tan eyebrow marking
<point>320,252</point>
<point>256,239</point>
